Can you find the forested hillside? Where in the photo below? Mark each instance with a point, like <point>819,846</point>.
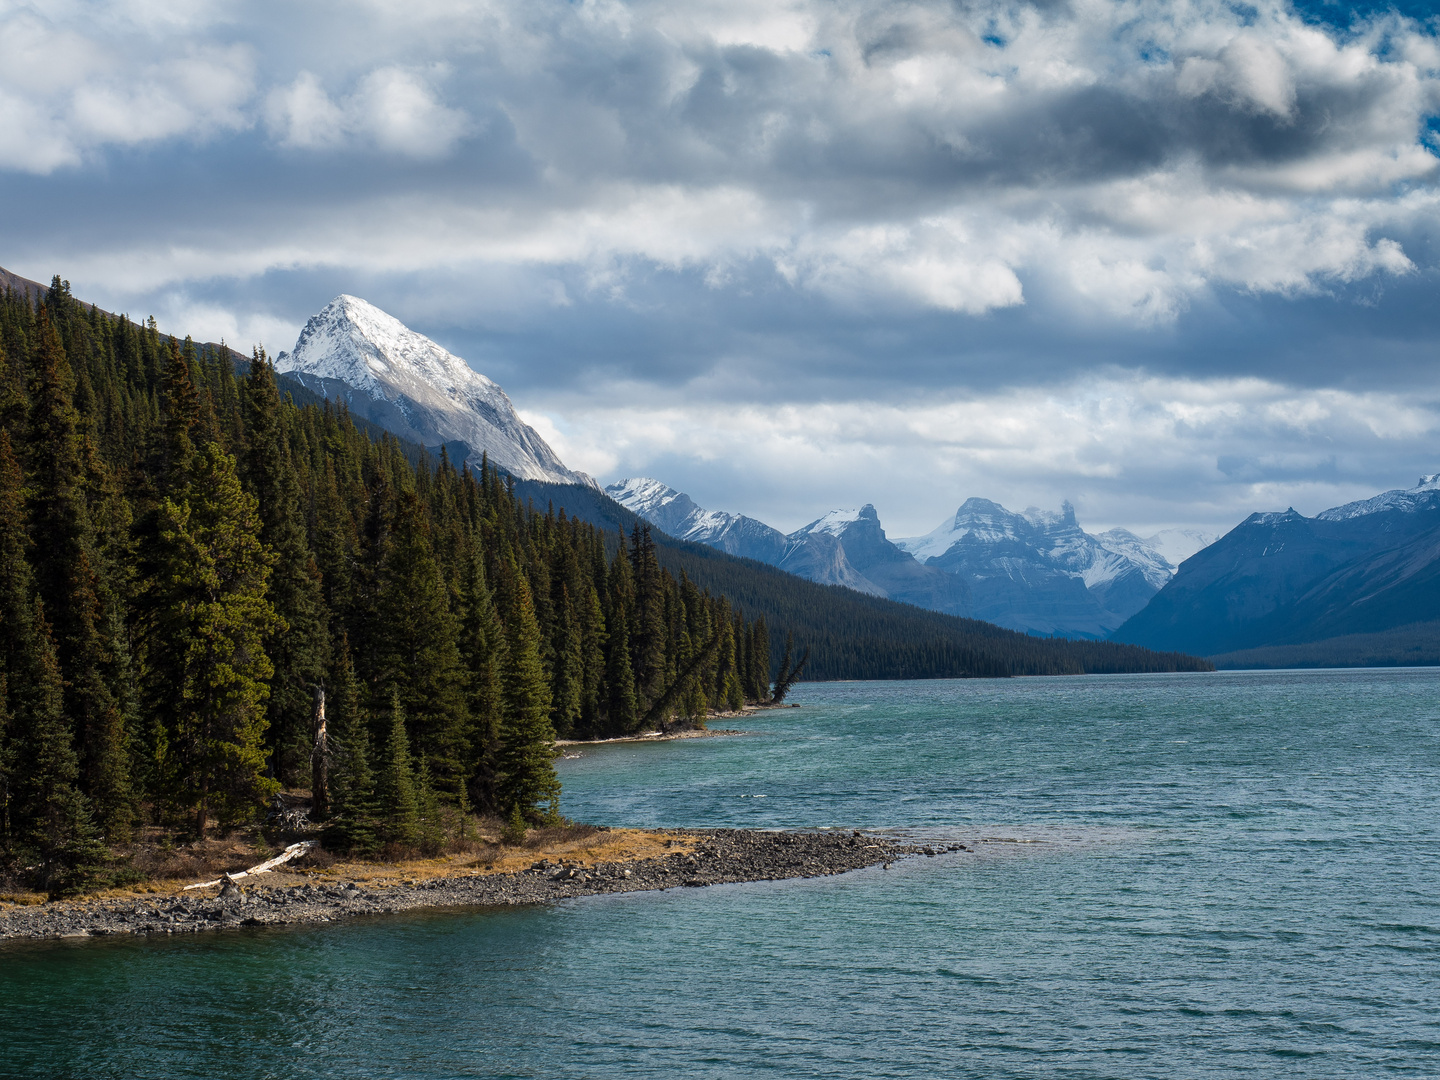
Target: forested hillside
<point>186,558</point>
<point>854,636</point>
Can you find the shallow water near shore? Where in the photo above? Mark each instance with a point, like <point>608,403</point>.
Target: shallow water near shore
<point>1174,876</point>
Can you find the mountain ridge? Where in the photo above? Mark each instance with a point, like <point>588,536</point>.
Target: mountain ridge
<point>1284,579</point>
<point>385,372</point>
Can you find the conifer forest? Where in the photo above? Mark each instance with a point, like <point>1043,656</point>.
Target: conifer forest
<point>187,561</point>
<point>214,593</point>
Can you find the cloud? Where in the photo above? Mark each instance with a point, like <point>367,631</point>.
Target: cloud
<point>69,91</point>
<point>1132,450</point>
<point>391,108</point>
<point>861,208</point>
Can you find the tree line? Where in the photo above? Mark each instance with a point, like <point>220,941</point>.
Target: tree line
<point>850,635</point>
<point>189,558</point>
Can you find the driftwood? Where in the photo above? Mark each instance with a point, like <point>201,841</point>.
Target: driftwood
<point>264,868</point>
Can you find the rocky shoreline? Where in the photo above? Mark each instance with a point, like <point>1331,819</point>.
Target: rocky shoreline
<point>711,857</point>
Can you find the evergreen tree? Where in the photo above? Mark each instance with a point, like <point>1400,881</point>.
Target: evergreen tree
<point>182,415</point>
<point>417,653</point>
<point>298,645</point>
<point>52,817</point>
<point>526,761</point>
<point>207,669</point>
<point>648,624</point>
<point>64,544</point>
<point>430,819</point>
<point>484,652</point>
<point>622,706</point>
<point>352,825</point>
<point>395,788</point>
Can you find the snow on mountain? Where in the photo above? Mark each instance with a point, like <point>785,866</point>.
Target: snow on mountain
<point>1158,570</point>
<point>1177,545</point>
<point>1416,498</point>
<point>1056,536</point>
<point>834,523</point>
<point>1038,570</point>
<point>675,512</point>
<point>407,384</point>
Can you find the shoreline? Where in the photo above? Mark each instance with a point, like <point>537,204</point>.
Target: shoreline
<point>695,858</point>
<point>687,733</point>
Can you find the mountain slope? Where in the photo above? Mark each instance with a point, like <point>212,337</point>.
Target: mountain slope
<point>676,514</point>
<point>887,569</point>
<point>1039,571</point>
<point>852,635</point>
<point>845,547</point>
<point>351,351</point>
<point>1285,579</point>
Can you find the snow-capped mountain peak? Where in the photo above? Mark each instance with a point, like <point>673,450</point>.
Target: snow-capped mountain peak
<point>836,521</point>
<point>1421,495</point>
<point>408,384</point>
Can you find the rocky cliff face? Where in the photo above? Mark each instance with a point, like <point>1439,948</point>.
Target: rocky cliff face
<point>387,373</point>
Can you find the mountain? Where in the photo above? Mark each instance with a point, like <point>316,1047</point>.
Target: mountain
<point>860,546</point>
<point>1177,545</point>
<point>1039,571</point>
<point>854,635</point>
<point>1282,579</point>
<point>384,372</point>
<point>675,513</point>
<point>845,547</point>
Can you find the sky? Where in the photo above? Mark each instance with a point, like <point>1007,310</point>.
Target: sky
<point>1174,262</point>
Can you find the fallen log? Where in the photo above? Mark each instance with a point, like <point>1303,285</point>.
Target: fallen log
<point>264,868</point>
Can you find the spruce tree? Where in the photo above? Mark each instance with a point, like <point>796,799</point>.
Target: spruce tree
<point>484,652</point>
<point>52,817</point>
<point>526,761</point>
<point>354,810</point>
<point>64,544</point>
<point>298,646</point>
<point>416,649</point>
<point>395,786</point>
<point>648,625</point>
<point>208,617</point>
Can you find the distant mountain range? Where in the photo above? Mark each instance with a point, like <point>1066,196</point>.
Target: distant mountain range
<point>1036,571</point>
<point>1282,579</point>
<point>1357,583</point>
<point>383,371</point>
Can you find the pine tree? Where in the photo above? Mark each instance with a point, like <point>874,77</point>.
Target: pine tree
<point>352,825</point>
<point>484,652</point>
<point>182,415</point>
<point>298,646</point>
<point>417,653</point>
<point>52,817</point>
<point>648,625</point>
<point>527,741</point>
<point>64,544</point>
<point>395,787</point>
<point>567,684</point>
<point>622,706</point>
<point>430,821</point>
<point>208,618</point>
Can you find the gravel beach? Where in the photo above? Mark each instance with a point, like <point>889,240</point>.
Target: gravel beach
<point>710,857</point>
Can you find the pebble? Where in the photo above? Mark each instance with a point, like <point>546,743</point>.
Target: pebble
<point>721,856</point>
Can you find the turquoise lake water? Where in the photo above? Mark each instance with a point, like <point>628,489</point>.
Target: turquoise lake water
<point>1175,876</point>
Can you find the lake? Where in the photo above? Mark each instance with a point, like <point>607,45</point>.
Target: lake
<point>1211,875</point>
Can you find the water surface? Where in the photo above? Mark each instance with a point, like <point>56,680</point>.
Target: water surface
<point>1175,876</point>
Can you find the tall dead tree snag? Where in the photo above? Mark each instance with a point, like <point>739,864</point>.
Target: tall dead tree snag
<point>320,763</point>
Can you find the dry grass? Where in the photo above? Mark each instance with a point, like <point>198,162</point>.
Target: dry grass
<point>171,867</point>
